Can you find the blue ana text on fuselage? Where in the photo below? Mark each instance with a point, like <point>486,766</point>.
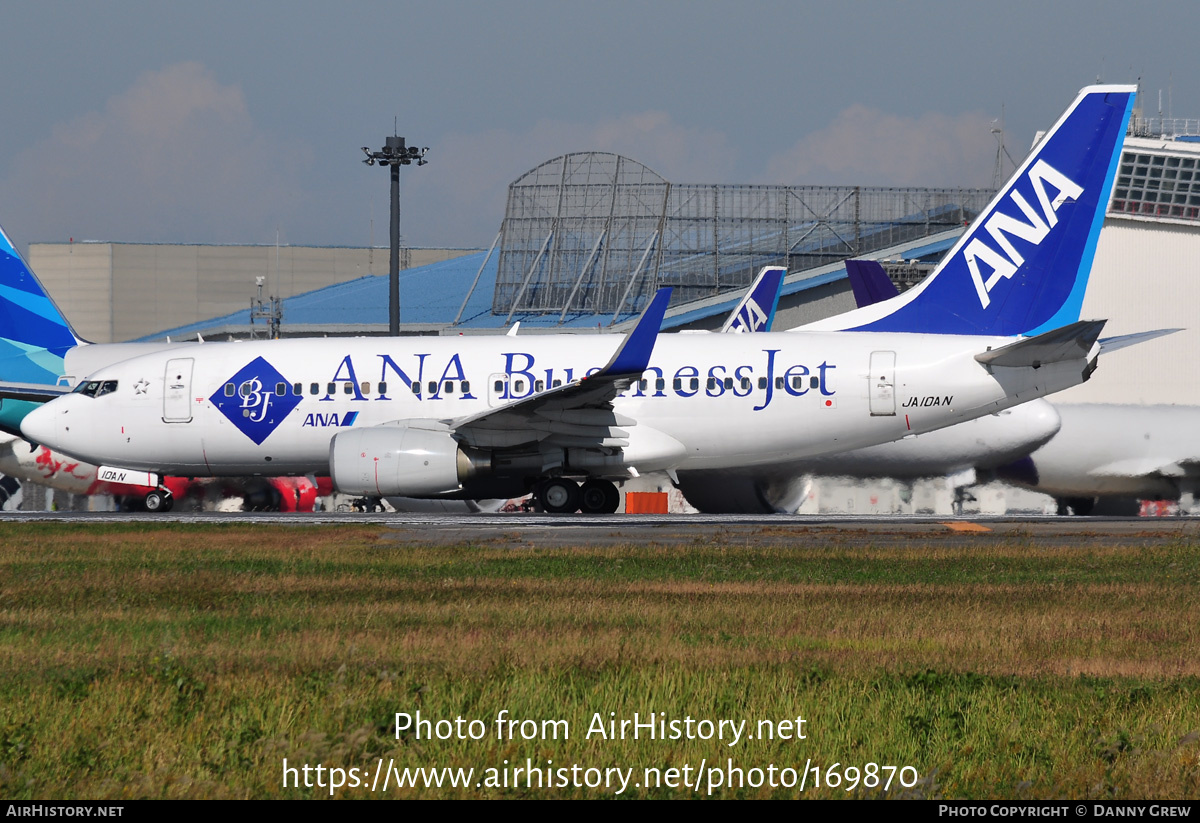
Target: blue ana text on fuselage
<point>523,376</point>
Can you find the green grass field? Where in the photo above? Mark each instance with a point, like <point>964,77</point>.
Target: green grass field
<point>185,661</point>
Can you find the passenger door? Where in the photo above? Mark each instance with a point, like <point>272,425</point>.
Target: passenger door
<point>177,391</point>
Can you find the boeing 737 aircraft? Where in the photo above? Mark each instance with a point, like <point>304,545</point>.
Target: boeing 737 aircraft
<point>996,325</point>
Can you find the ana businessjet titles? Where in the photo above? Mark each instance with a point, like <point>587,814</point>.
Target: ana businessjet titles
<point>996,325</point>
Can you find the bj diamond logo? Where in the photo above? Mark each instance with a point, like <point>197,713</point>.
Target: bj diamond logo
<point>256,399</point>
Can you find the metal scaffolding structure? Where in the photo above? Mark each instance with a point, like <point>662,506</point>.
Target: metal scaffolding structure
<point>595,233</point>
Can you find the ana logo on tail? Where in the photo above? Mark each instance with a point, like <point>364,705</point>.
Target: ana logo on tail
<point>1005,261</point>
<point>1022,266</point>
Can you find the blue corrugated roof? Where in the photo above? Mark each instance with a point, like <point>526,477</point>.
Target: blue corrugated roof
<point>432,295</point>
<point>429,295</point>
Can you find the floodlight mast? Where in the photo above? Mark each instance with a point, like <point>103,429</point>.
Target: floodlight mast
<point>394,155</point>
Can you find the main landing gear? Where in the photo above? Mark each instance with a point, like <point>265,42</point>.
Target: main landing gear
<point>158,500</point>
<point>560,495</point>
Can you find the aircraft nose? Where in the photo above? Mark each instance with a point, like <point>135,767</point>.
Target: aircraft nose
<point>1045,419</point>
<point>41,425</point>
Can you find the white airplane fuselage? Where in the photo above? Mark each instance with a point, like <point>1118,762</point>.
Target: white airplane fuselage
<point>1106,450</point>
<point>709,401</point>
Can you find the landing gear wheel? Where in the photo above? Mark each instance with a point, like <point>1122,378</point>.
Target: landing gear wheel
<point>158,500</point>
<point>559,495</point>
<point>599,497</point>
<point>1079,506</point>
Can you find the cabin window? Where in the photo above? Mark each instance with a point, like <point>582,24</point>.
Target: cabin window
<point>518,386</point>
<point>555,384</point>
<point>538,385</point>
<point>642,385</point>
<point>314,388</point>
<point>280,389</point>
<point>677,384</point>
<point>797,382</point>
<point>366,387</point>
<point>297,389</point>
<point>745,384</point>
<point>814,382</point>
<point>347,388</point>
<point>331,388</point>
<point>660,384</point>
<point>448,387</point>
<point>762,382</point>
<point>229,389</point>
<point>779,383</point>
<point>245,389</point>
<point>695,384</point>
<point>498,386</point>
<point>728,383</point>
<point>433,387</point>
<point>382,387</point>
<point>712,383</point>
<point>416,388</point>
<point>466,387</point>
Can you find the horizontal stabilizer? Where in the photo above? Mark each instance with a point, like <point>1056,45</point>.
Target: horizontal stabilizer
<point>1108,344</point>
<point>1071,342</point>
<point>36,392</point>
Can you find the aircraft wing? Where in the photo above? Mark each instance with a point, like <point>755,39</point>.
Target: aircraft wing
<point>36,392</point>
<point>578,413</point>
<point>1147,466</point>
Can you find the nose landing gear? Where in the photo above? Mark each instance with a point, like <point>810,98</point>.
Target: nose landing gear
<point>159,500</point>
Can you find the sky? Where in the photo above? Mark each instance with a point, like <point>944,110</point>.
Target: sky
<point>242,122</point>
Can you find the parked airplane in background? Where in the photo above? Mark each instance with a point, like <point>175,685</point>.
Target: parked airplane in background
<point>1108,456</point>
<point>756,311</point>
<point>996,325</point>
<point>37,464</point>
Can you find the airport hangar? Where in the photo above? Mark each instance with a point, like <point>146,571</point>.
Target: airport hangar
<point>587,238</point>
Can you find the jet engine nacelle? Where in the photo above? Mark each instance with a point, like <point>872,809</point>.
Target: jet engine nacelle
<point>398,460</point>
<point>716,492</point>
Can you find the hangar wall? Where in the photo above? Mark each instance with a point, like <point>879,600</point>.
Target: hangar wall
<point>1146,276</point>
<point>112,292</point>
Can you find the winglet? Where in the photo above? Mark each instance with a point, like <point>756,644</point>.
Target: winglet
<point>634,353</point>
<point>756,312</point>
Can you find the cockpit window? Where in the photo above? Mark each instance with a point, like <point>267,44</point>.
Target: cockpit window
<point>96,388</point>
